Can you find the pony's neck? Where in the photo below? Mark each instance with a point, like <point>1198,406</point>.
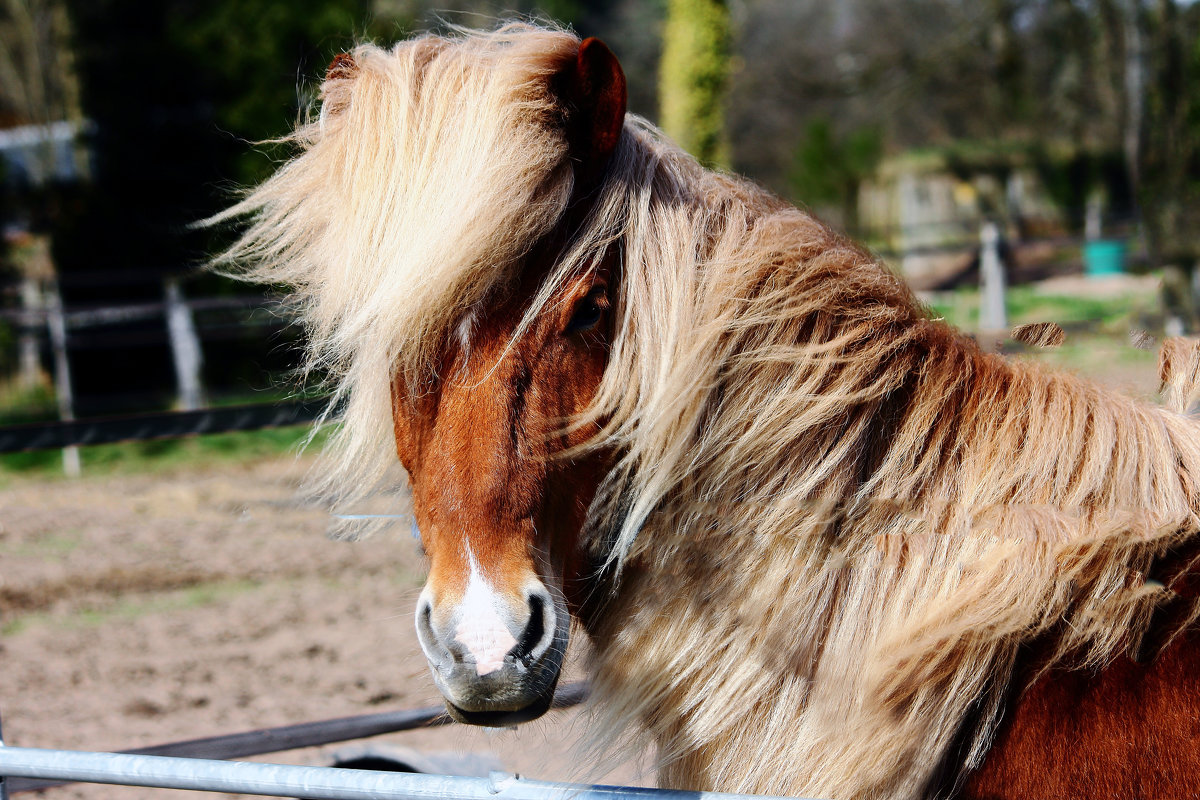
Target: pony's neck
<point>832,636</point>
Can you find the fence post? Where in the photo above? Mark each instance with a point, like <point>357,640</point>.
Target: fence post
<point>993,316</point>
<point>1093,219</point>
<point>3,780</point>
<point>56,321</point>
<point>185,348</point>
<point>29,361</point>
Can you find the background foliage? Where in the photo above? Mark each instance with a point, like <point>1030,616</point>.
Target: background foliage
<point>805,96</point>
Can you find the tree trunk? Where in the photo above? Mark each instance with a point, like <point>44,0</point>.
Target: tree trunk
<point>693,76</point>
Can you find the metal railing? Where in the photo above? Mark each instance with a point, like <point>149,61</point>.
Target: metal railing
<point>27,768</point>
<point>293,737</point>
<point>319,783</point>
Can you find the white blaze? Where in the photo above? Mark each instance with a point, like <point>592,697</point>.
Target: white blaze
<point>481,629</point>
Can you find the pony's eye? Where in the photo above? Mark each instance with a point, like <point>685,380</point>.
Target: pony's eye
<point>589,311</point>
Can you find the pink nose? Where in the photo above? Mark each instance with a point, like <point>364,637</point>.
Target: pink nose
<point>494,662</point>
<point>486,639</point>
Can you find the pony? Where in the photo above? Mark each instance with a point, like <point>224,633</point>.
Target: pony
<point>820,543</point>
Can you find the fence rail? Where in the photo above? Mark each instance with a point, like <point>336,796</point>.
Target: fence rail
<point>319,783</point>
<point>134,312</point>
<point>26,768</point>
<point>160,425</point>
<point>293,737</point>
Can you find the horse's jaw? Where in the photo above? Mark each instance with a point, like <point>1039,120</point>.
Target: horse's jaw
<point>494,666</point>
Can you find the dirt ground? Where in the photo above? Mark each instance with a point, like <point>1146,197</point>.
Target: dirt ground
<point>147,609</point>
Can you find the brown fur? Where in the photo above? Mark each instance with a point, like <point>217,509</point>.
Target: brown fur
<point>499,413</point>
<point>1128,730</point>
<point>1040,334</point>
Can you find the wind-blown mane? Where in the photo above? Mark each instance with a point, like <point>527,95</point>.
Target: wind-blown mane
<point>898,510</point>
<point>429,172</point>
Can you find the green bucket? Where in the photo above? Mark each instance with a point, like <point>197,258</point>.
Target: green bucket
<point>1104,257</point>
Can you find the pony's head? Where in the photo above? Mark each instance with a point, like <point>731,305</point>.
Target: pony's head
<point>484,428</point>
<point>501,500</point>
<point>431,229</point>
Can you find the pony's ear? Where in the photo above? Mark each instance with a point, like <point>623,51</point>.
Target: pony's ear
<point>342,66</point>
<point>593,88</point>
<point>335,90</point>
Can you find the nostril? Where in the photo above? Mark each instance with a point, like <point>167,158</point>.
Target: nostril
<point>534,631</point>
<point>425,615</point>
<point>440,653</point>
<point>425,632</point>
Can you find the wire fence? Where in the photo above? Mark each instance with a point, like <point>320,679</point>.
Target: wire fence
<point>162,425</point>
<point>44,323</point>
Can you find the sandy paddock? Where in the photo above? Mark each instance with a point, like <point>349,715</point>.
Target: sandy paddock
<point>143,609</point>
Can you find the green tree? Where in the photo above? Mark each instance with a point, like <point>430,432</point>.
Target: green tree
<point>692,77</point>
<point>261,61</point>
<point>1168,188</point>
<point>177,91</point>
<point>828,170</point>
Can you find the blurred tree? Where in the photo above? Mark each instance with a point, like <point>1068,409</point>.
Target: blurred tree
<point>692,77</point>
<point>176,91</point>
<point>38,87</point>
<point>38,90</point>
<point>257,65</point>
<point>37,78</point>
<point>828,171</point>
<point>1169,187</point>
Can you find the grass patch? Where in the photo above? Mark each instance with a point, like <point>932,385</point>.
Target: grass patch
<point>1028,305</point>
<point>165,454</point>
<point>1097,327</point>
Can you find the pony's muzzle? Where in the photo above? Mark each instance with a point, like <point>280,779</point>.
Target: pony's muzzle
<point>495,663</point>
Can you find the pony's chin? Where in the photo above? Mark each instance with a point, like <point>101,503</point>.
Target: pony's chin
<point>502,719</point>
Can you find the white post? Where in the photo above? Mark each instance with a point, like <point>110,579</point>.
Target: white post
<point>993,315</point>
<point>29,360</point>
<point>57,323</point>
<point>1014,195</point>
<point>185,348</point>
<point>1092,220</point>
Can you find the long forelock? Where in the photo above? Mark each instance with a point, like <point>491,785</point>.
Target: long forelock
<point>430,171</point>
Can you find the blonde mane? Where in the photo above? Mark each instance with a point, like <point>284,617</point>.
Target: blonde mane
<point>430,170</point>
<point>834,520</point>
